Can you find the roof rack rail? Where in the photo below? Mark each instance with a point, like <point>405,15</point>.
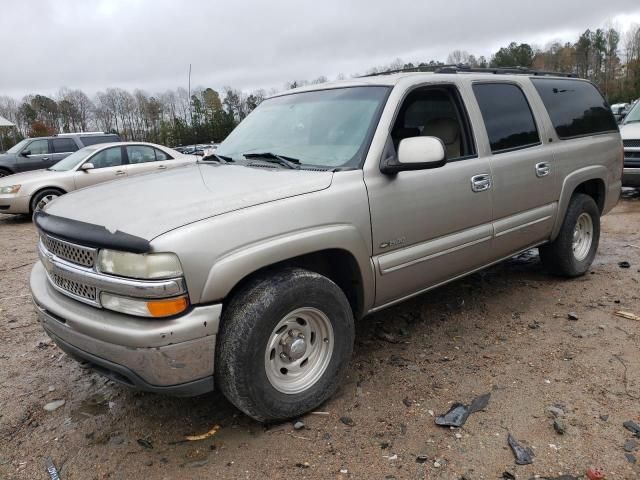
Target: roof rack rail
<point>463,68</point>
<point>81,133</point>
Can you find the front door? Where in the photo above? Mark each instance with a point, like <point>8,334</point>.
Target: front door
<point>108,164</point>
<point>34,156</point>
<point>429,226</point>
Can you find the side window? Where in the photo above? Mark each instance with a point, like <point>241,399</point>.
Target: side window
<point>140,154</point>
<point>38,147</point>
<point>507,116</point>
<point>95,139</point>
<point>435,112</point>
<point>111,157</point>
<point>160,155</point>
<point>64,145</point>
<point>576,107</point>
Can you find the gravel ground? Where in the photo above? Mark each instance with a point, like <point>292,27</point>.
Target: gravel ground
<point>503,331</point>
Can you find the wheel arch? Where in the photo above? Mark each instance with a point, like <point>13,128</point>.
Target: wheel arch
<point>42,189</point>
<point>590,181</point>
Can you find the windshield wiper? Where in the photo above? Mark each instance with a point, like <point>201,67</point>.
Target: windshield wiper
<point>218,158</point>
<point>270,157</point>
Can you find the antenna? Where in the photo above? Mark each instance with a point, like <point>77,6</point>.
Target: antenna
<point>190,113</point>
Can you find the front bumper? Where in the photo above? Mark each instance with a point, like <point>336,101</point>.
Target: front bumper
<point>14,204</point>
<point>631,177</point>
<point>173,356</point>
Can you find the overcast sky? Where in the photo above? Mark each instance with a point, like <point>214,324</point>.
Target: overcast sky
<point>247,44</point>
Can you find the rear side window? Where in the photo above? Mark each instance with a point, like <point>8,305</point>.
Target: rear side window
<point>576,107</point>
<point>64,145</point>
<point>94,139</point>
<point>507,116</point>
<point>140,154</point>
<point>160,155</point>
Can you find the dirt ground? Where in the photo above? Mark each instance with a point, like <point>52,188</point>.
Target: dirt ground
<point>505,331</point>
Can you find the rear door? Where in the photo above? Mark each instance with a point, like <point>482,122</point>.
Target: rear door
<point>61,148</point>
<point>34,156</point>
<point>141,159</point>
<point>524,175</point>
<point>108,164</point>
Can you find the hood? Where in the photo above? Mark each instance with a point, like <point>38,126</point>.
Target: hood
<point>27,177</point>
<point>630,131</point>
<point>149,205</point>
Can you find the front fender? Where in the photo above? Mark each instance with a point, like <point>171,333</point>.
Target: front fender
<point>229,270</point>
<point>571,182</point>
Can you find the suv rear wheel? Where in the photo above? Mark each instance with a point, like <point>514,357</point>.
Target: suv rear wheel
<point>573,251</point>
<point>284,344</point>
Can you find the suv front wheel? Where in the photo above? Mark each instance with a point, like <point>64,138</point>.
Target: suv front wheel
<point>573,251</point>
<point>284,343</point>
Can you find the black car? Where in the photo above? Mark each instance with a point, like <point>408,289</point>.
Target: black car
<point>44,152</point>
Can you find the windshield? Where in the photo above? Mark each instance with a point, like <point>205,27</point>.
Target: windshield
<point>18,146</point>
<point>70,162</point>
<point>634,114</point>
<point>326,128</point>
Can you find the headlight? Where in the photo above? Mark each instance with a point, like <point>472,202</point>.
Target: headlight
<point>145,308</point>
<point>10,189</point>
<point>148,266</point>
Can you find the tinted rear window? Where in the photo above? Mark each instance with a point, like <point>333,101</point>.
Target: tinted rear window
<point>94,139</point>
<point>576,107</point>
<point>64,145</point>
<point>507,116</point>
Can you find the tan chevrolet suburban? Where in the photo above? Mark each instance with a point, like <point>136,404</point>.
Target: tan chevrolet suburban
<point>247,270</point>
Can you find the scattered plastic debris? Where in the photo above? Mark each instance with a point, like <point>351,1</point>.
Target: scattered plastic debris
<point>524,455</point>
<point>347,421</point>
<point>143,442</point>
<point>458,413</point>
<point>631,458</point>
<point>572,316</point>
<point>508,476</point>
<point>595,474</point>
<point>624,264</point>
<point>559,426</point>
<point>633,427</point>
<point>195,438</point>
<point>299,425</point>
<point>51,469</point>
<point>56,404</point>
<point>627,315</point>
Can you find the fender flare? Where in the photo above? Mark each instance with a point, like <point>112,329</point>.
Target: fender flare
<point>237,264</point>
<point>569,185</point>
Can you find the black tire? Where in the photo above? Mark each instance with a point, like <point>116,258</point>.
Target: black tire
<point>558,256</point>
<point>4,172</point>
<point>37,198</point>
<point>247,325</point>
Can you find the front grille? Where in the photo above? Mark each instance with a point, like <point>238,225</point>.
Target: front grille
<point>631,143</point>
<point>81,290</point>
<point>77,254</point>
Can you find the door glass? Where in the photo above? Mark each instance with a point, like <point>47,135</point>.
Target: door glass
<point>160,155</point>
<point>64,145</point>
<point>111,157</point>
<point>507,116</point>
<point>140,154</point>
<point>39,147</point>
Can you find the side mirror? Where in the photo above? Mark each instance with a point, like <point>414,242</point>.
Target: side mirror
<point>25,153</point>
<point>87,166</point>
<point>417,153</point>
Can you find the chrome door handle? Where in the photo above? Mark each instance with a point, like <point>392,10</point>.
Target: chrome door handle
<point>162,167</point>
<point>480,183</point>
<point>44,159</point>
<point>121,172</point>
<point>543,169</point>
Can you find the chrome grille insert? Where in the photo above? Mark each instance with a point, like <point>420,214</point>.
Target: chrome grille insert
<point>77,289</point>
<point>70,252</point>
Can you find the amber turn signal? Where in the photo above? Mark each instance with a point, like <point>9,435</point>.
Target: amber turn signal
<point>166,308</point>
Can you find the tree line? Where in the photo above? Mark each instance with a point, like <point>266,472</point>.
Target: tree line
<point>174,117</point>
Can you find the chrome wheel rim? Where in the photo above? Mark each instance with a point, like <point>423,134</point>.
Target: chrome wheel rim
<point>299,350</point>
<point>45,200</point>
<point>582,236</point>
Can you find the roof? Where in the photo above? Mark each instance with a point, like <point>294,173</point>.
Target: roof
<point>6,123</point>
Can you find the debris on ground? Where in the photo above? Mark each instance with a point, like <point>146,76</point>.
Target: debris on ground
<point>633,427</point>
<point>572,316</point>
<point>630,445</point>
<point>556,411</point>
<point>303,465</point>
<point>627,315</point>
<point>561,477</point>
<point>385,336</point>
<point>624,264</point>
<point>595,474</point>
<point>421,458</point>
<point>458,413</point>
<point>194,438</point>
<point>347,421</point>
<point>143,442</point>
<point>508,476</point>
<point>559,426</point>
<point>631,458</point>
<point>51,469</point>
<point>56,404</point>
<point>524,455</point>
<point>299,425</point>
